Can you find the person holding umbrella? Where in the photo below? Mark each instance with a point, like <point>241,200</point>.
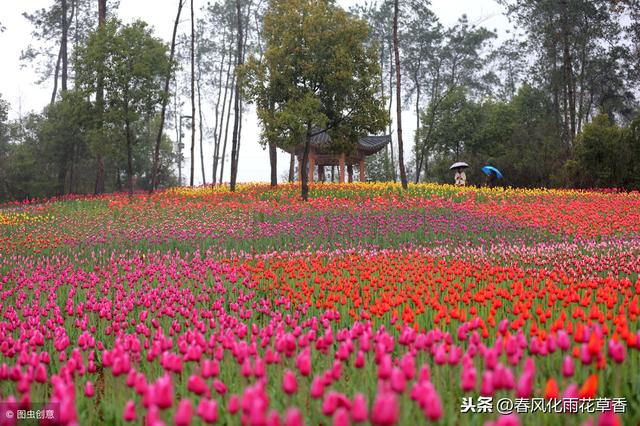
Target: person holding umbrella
<point>460,178</point>
<point>492,174</point>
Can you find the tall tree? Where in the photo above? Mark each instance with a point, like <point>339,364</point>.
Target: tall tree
<point>456,61</point>
<point>165,99</point>
<point>193,96</point>
<point>99,186</point>
<point>396,50</point>
<point>237,105</point>
<point>64,52</point>
<point>568,40</point>
<point>132,83</point>
<point>317,74</point>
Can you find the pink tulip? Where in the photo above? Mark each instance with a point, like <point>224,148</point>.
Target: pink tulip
<point>40,373</point>
<point>468,379</point>
<point>562,339</point>
<point>210,368</point>
<point>293,417</point>
<point>330,403</point>
<point>408,366</point>
<point>524,388</point>
<point>164,392</point>
<point>341,417</point>
<point>289,382</point>
<point>208,410</point>
<point>398,382</point>
<point>384,369</point>
<point>567,366</point>
<point>570,392</point>
<point>608,418</point>
<point>424,374</point>
<point>385,410</point>
<point>184,413</point>
<point>616,351</point>
<point>259,369</point>
<point>197,385</point>
<point>433,406</point>
<point>129,411</point>
<point>508,420</point>
<point>234,404</point>
<point>219,387</point>
<point>317,387</point>
<point>273,419</point>
<point>441,355</point>
<point>246,369</point>
<point>359,408</point>
<point>486,384</point>
<point>88,389</point>
<point>153,417</point>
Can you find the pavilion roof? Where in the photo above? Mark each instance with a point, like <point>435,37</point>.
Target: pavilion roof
<point>367,145</point>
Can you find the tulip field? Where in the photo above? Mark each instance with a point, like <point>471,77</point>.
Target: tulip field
<point>366,305</point>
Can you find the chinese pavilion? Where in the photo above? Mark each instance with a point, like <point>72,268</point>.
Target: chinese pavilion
<point>320,155</point>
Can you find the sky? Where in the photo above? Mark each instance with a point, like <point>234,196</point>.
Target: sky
<point>18,80</point>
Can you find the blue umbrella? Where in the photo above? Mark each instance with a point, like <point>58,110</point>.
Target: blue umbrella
<point>487,170</point>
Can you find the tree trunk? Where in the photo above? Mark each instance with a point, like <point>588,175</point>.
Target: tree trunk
<point>273,162</point>
<point>304,190</point>
<point>204,179</point>
<point>217,157</point>
<point>129,155</point>
<point>193,96</point>
<point>99,185</point>
<point>403,174</point>
<point>56,73</point>
<point>218,121</point>
<point>236,105</point>
<point>176,125</point>
<point>62,174</point>
<point>417,134</point>
<point>165,100</point>
<point>391,73</point>
<point>226,130</point>
<point>292,163</point>
<point>63,46</point>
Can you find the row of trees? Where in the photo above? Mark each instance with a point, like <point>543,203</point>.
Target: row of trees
<point>520,106</point>
<point>524,105</point>
<point>116,89</point>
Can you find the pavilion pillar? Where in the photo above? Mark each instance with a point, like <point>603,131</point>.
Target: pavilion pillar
<point>361,167</point>
<point>350,172</point>
<point>341,170</point>
<point>320,173</point>
<point>312,166</point>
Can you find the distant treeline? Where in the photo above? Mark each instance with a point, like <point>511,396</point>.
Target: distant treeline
<point>554,105</point>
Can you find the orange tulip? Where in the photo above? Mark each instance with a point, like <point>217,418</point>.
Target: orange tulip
<point>551,389</point>
<point>589,388</point>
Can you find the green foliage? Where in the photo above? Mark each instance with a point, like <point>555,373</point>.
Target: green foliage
<point>316,73</point>
<point>131,64</point>
<point>517,137</point>
<point>607,155</point>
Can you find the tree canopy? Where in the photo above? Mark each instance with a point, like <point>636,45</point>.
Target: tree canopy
<point>317,74</point>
